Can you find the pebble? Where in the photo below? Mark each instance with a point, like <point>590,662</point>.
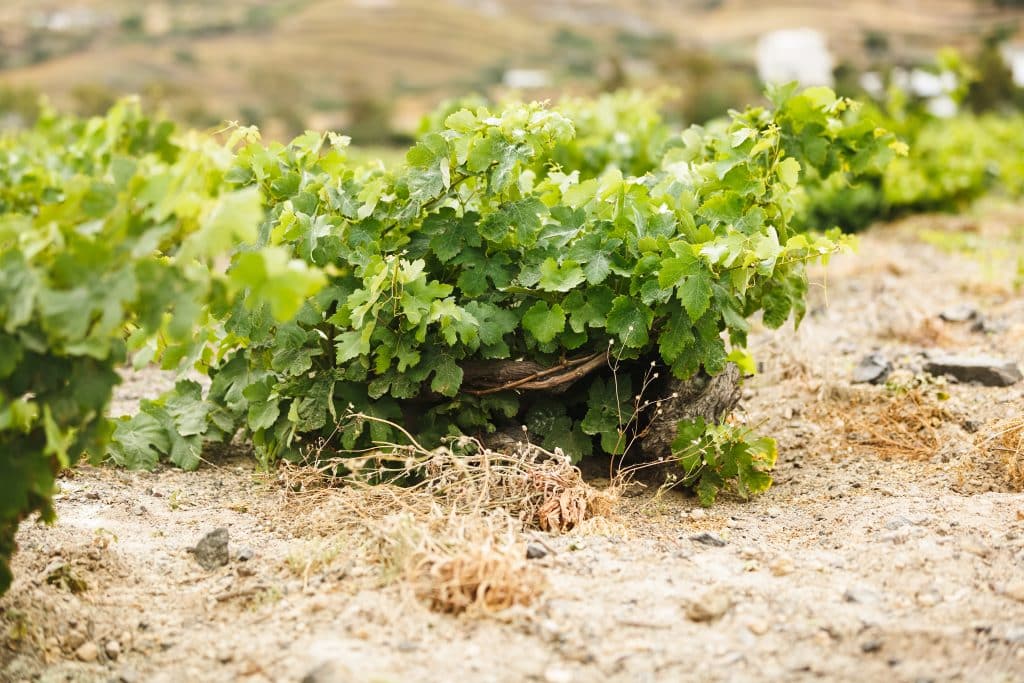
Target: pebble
<point>895,537</point>
<point>750,552</point>
<point>985,370</point>
<point>960,313</point>
<point>869,646</point>
<point>710,539</point>
<point>88,652</point>
<point>757,627</point>
<point>127,675</point>
<point>710,605</point>
<point>74,639</point>
<point>245,554</point>
<point>113,649</point>
<point>897,522</point>
<point>212,550</point>
<point>1014,590</point>
<point>929,598</point>
<point>861,596</point>
<point>698,514</point>
<point>331,671</point>
<point>535,551</point>
<point>549,630</point>
<point>555,674</point>
<point>975,546</point>
<point>782,566</point>
<point>873,368</point>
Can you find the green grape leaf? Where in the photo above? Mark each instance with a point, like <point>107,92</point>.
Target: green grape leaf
<point>544,322</point>
<point>631,320</point>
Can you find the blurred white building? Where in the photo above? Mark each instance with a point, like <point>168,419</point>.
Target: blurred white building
<point>525,79</point>
<point>799,54</point>
<point>1014,56</point>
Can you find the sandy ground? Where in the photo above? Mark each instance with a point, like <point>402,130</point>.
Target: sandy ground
<point>890,548</point>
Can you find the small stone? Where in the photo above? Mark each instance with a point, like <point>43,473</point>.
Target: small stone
<point>138,510</point>
<point>127,675</point>
<point>698,514</point>
<point>550,631</point>
<point>985,370</point>
<point>873,368</point>
<point>212,550</point>
<point>556,674</point>
<point>897,522</point>
<point>929,598</point>
<point>782,566</point>
<point>74,639</point>
<point>757,627</point>
<point>1014,590</point>
<point>986,326</point>
<point>710,539</point>
<point>869,646</point>
<point>113,649</point>
<point>88,652</point>
<point>961,313</point>
<point>861,596</point>
<point>535,551</point>
<point>895,537</point>
<point>971,425</point>
<point>711,605</point>
<point>245,554</point>
<point>975,546</point>
<point>331,671</point>
<point>750,552</point>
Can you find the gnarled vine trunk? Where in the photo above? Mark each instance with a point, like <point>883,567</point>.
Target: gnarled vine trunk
<point>711,398</point>
<point>704,396</point>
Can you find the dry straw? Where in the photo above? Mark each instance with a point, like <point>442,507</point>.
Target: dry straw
<point>904,424</point>
<point>453,532</point>
<point>1007,439</point>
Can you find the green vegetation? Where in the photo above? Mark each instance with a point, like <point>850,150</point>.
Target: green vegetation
<point>484,248</point>
<point>109,232</point>
<point>365,305</point>
<point>951,162</point>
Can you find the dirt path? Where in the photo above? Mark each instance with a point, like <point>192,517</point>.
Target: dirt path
<point>890,548</point>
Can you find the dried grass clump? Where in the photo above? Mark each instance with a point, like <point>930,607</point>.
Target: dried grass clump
<point>457,563</point>
<point>453,531</point>
<point>540,488</point>
<point>904,424</point>
<point>1006,438</point>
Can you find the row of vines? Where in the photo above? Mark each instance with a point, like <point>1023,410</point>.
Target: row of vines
<point>339,306</point>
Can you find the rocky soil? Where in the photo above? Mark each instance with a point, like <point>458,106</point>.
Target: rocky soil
<point>890,548</point>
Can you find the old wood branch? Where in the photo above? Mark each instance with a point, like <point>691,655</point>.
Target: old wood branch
<point>496,376</point>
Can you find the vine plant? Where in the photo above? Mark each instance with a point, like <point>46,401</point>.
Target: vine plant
<point>482,253</point>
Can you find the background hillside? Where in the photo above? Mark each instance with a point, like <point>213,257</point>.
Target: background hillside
<point>379,64</point>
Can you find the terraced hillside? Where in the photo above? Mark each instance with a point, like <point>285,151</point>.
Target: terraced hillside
<point>306,61</point>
